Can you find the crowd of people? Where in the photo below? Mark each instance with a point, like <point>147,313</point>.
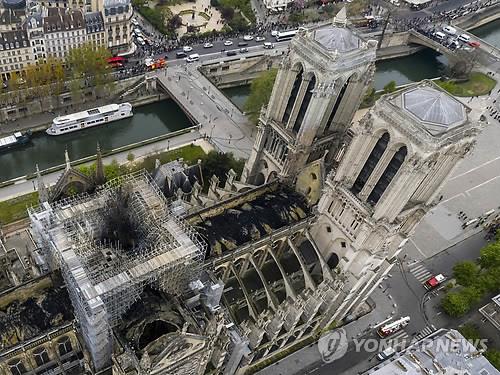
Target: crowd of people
<point>404,24</point>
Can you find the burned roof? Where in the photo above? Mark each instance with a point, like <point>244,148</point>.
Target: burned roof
<point>255,218</point>
<point>150,318</point>
<point>175,175</point>
<point>31,310</point>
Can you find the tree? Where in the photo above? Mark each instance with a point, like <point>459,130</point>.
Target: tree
<point>466,273</point>
<point>227,13</point>
<point>175,22</point>
<point>455,304</point>
<point>390,87</point>
<point>130,157</point>
<point>260,93</point>
<point>90,63</point>
<point>493,355</point>
<point>490,255</point>
<point>219,164</point>
<point>470,332</point>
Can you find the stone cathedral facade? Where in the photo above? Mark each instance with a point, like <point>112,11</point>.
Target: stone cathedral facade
<point>371,181</point>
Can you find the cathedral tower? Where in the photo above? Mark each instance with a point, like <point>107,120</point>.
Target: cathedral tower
<point>318,88</point>
<point>400,156</point>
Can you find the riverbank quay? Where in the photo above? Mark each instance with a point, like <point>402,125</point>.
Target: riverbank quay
<point>27,184</point>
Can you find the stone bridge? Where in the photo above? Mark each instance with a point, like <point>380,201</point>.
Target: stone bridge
<point>220,120</point>
<point>486,54</point>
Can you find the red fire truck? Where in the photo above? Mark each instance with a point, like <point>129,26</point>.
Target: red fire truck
<point>393,327</point>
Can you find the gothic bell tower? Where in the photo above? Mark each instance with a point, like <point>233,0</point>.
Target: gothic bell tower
<point>318,88</point>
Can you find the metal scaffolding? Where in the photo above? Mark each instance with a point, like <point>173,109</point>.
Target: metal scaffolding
<point>104,279</point>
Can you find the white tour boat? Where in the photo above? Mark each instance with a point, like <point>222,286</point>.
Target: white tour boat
<point>91,117</point>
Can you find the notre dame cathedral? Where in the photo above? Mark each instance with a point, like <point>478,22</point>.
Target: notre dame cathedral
<point>324,206</point>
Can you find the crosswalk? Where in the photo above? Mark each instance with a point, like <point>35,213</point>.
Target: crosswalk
<point>402,339</point>
<point>424,333</point>
<point>420,272</point>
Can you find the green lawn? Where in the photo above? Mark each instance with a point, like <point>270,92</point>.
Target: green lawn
<point>477,85</point>
<point>15,208</point>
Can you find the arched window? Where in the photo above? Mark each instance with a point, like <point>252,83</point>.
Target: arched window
<point>337,104</point>
<point>389,173</point>
<point>305,104</point>
<point>41,356</point>
<point>293,96</point>
<point>64,346</point>
<point>16,367</point>
<point>370,163</point>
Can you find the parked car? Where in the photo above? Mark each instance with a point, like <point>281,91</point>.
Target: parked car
<point>260,38</point>
<point>386,354</point>
<point>192,58</point>
<point>208,45</point>
<point>242,44</point>
<point>268,45</point>
<point>464,38</point>
<point>243,50</point>
<point>439,35</point>
<point>248,37</point>
<point>180,54</point>
<point>231,53</point>
<point>141,41</point>
<point>187,49</point>
<point>228,43</point>
<point>274,32</point>
<point>449,30</point>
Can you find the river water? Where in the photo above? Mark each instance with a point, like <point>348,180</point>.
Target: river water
<point>164,117</point>
<point>414,68</point>
<point>148,121</point>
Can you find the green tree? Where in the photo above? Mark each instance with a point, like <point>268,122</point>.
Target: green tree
<point>470,332</point>
<point>390,87</point>
<point>466,273</point>
<point>455,304</point>
<point>490,255</point>
<point>90,63</point>
<point>219,164</point>
<point>260,93</point>
<point>130,157</point>
<point>493,355</point>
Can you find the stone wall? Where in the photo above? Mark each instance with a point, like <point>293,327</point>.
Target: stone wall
<point>240,71</point>
<point>18,108</point>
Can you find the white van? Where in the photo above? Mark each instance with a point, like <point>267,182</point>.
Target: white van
<point>440,36</point>
<point>385,354</point>
<point>192,58</point>
<point>268,45</point>
<point>464,38</point>
<point>450,30</point>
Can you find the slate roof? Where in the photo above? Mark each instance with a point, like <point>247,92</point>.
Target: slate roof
<point>337,38</point>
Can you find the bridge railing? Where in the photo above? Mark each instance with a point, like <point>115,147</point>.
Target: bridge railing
<point>487,47</point>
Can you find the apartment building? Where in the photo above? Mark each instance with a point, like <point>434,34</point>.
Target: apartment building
<point>15,52</point>
<point>63,30</point>
<point>117,17</point>
<point>96,32</point>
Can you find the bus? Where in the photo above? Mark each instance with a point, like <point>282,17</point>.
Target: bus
<point>285,35</point>
<point>117,62</point>
<point>393,327</point>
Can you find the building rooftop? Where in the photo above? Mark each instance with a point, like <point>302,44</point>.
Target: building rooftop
<point>13,40</point>
<point>251,219</point>
<point>63,19</point>
<point>94,22</point>
<point>339,39</point>
<point>438,110</point>
<point>442,353</point>
<point>31,310</point>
